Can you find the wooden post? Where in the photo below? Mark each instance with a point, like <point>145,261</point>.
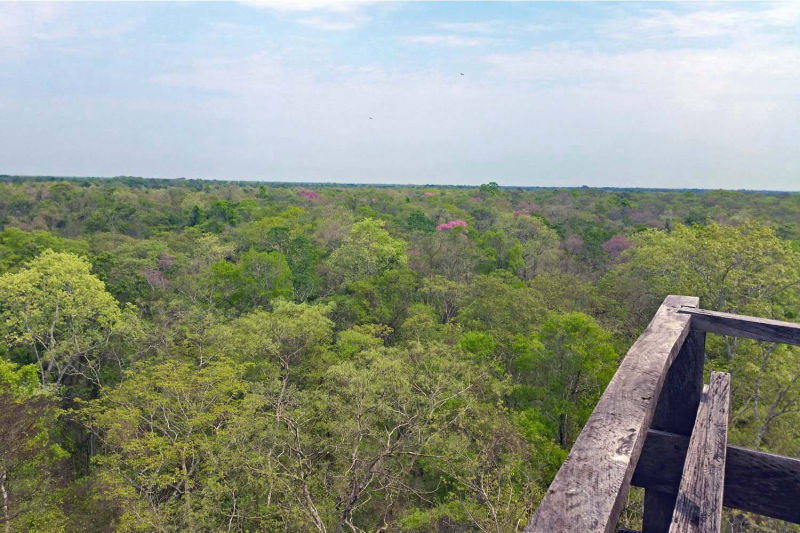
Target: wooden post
<point>698,508</point>
<point>592,485</point>
<point>675,413</point>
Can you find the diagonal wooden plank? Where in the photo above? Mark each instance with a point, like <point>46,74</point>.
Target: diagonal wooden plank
<point>751,327</point>
<point>698,507</point>
<point>592,485</point>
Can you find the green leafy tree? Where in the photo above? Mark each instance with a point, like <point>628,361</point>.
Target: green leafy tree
<point>60,312</point>
<point>450,254</point>
<point>31,460</point>
<point>739,269</point>
<point>747,269</point>
<point>254,281</point>
<point>539,244</point>
<point>18,247</point>
<point>159,431</point>
<point>386,297</point>
<point>491,188</point>
<point>505,310</point>
<point>562,370</point>
<point>369,250</point>
<point>417,221</point>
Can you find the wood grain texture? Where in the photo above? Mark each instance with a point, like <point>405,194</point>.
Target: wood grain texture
<point>592,485</point>
<point>755,481</point>
<point>676,412</point>
<point>698,507</point>
<point>762,329</point>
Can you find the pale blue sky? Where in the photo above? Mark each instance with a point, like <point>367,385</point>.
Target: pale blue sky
<point>603,94</point>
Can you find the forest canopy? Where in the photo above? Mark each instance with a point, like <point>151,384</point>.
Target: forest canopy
<point>207,356</point>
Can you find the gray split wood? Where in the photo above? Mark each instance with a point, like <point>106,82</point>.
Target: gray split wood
<point>698,507</point>
<point>762,329</point>
<point>676,412</point>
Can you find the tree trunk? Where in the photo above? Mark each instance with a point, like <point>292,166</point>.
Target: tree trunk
<point>6,518</point>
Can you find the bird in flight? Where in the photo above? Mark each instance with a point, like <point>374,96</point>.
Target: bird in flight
<point>461,73</point>
<point>370,118</point>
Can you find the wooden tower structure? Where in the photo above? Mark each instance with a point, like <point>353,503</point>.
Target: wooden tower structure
<point>658,427</point>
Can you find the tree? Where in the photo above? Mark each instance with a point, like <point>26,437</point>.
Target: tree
<point>562,369</point>
<point>491,188</point>
<point>18,247</point>
<point>445,253</point>
<point>505,310</point>
<point>417,221</point>
<point>368,250</point>
<point>385,298</point>
<point>540,250</point>
<point>60,312</point>
<point>254,281</point>
<point>743,269</point>
<point>739,269</point>
<point>291,338</point>
<point>30,458</point>
<point>386,413</point>
<point>159,431</point>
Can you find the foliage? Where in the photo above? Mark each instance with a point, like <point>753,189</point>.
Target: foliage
<point>563,369</point>
<point>742,269</point>
<point>60,312</point>
<point>31,460</point>
<point>257,278</point>
<point>204,356</point>
<point>367,251</point>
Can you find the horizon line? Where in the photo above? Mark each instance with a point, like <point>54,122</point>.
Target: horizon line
<point>45,177</point>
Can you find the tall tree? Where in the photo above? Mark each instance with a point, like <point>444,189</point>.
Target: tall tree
<point>367,251</point>
<point>31,460</point>
<point>60,312</point>
<point>562,370</point>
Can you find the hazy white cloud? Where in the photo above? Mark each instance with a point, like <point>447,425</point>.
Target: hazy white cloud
<point>255,74</point>
<point>686,74</point>
<point>735,21</point>
<point>485,27</point>
<point>443,39</point>
<point>570,114</point>
<point>326,15</point>
<point>539,27</point>
<point>310,5</point>
<point>353,21</point>
<point>22,25</point>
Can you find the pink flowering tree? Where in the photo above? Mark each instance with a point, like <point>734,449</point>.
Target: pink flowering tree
<point>452,224</point>
<point>616,245</point>
<point>307,194</point>
<point>573,243</point>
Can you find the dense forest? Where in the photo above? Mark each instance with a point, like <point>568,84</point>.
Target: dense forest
<point>232,356</point>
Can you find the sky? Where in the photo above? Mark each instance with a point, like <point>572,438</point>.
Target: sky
<point>673,95</point>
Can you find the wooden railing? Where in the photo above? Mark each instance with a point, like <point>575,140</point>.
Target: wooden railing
<point>657,427</point>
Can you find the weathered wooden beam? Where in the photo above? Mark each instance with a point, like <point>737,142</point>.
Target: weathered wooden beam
<point>591,487</point>
<point>676,412</point>
<point>755,481</point>
<point>762,329</point>
<point>698,507</point>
